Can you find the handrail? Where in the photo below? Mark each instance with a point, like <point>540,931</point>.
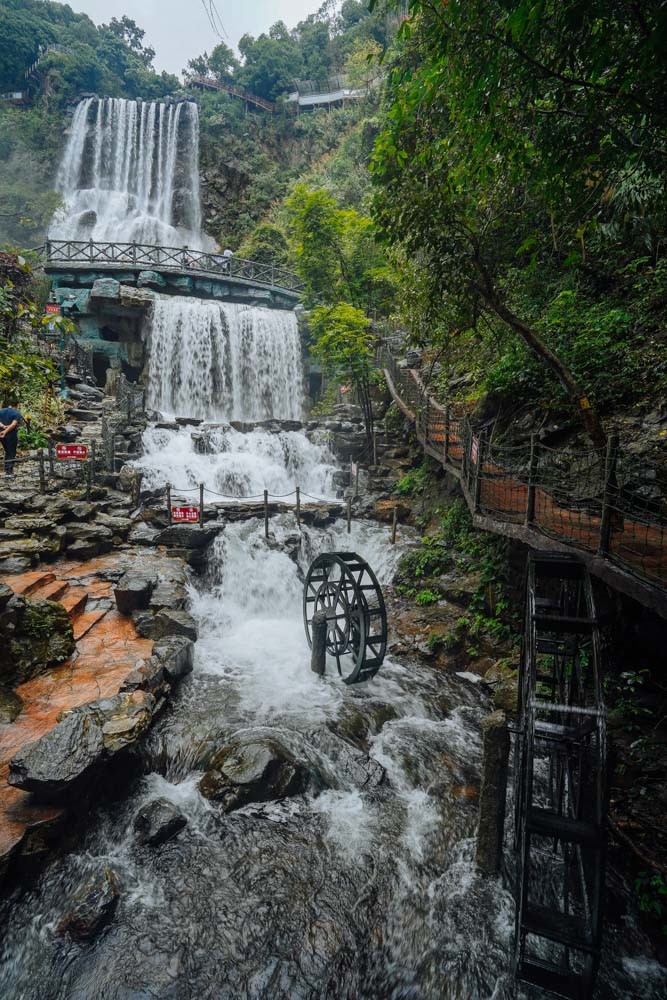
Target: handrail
<point>229,88</point>
<point>599,504</point>
<point>182,260</point>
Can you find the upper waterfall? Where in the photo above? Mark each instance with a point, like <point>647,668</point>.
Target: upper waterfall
<point>130,172</point>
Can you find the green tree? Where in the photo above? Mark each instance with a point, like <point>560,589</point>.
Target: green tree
<point>344,345</point>
<point>508,130</point>
<point>270,62</point>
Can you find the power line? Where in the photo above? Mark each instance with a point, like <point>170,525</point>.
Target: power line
<point>214,18</point>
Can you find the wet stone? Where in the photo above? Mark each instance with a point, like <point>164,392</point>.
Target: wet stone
<point>92,906</point>
<point>133,592</point>
<point>176,653</point>
<point>157,822</point>
<point>63,757</point>
<point>256,769</point>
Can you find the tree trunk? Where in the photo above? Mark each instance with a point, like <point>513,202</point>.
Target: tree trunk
<point>541,349</point>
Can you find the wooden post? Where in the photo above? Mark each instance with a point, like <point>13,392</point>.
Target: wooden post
<point>445,445</point>
<point>169,502</point>
<point>478,470</point>
<point>298,505</point>
<point>495,757</point>
<point>609,482</point>
<point>42,473</point>
<point>201,505</point>
<point>394,524</point>
<point>356,481</point>
<point>266,513</point>
<point>349,515</point>
<point>318,653</point>
<point>532,469</point>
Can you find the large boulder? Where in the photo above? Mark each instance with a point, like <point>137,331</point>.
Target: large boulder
<point>92,906</point>
<point>34,636</point>
<point>151,279</point>
<point>256,767</point>
<point>186,536</point>
<point>167,622</point>
<point>136,298</point>
<point>133,591</point>
<point>157,822</point>
<point>65,760</point>
<point>176,654</point>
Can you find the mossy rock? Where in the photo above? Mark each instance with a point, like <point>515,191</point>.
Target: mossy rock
<point>42,639</point>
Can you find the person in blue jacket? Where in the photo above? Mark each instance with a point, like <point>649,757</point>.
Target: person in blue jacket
<point>9,435</point>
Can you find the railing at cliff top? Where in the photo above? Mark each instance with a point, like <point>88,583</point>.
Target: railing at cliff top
<point>182,260</point>
<point>610,505</point>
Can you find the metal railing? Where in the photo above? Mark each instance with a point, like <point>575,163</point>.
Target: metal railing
<point>609,504</point>
<point>179,260</point>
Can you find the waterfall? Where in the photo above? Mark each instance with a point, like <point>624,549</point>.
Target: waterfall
<point>130,172</point>
<point>223,361</point>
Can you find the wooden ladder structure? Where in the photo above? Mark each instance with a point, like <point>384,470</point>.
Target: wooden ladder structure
<point>560,783</point>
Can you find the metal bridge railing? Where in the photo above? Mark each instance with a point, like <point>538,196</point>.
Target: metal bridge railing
<point>609,504</point>
<point>180,260</point>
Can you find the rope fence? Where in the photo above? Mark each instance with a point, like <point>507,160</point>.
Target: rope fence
<point>611,504</point>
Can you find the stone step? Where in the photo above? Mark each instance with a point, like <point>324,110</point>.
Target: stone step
<point>52,591</point>
<point>74,602</point>
<point>28,583</point>
<point>85,622</point>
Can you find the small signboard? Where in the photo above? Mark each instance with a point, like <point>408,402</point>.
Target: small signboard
<point>71,452</point>
<point>52,309</point>
<point>474,449</point>
<point>186,515</point>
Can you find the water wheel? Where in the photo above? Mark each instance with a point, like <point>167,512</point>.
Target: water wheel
<point>344,587</point>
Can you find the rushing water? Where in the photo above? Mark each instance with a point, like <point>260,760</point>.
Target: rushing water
<point>130,173</point>
<point>223,361</point>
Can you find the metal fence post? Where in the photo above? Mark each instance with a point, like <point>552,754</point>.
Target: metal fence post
<point>201,505</point>
<point>349,515</point>
<point>89,479</point>
<point>298,505</point>
<point>532,468</point>
<point>394,524</point>
<point>169,503</point>
<point>375,448</point>
<point>93,459</point>
<point>609,484</point>
<point>266,513</point>
<point>477,492</point>
<point>51,465</point>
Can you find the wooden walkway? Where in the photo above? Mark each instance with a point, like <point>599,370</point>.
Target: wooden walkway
<point>621,538</point>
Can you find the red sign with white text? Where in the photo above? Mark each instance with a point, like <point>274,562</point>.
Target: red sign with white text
<point>187,514</point>
<point>52,309</point>
<point>65,452</point>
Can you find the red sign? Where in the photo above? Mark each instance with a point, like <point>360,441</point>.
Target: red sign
<point>188,514</point>
<point>65,452</point>
<point>474,449</point>
<point>52,309</point>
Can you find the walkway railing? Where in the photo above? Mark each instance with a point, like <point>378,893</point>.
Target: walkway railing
<point>610,506</point>
<point>180,260</point>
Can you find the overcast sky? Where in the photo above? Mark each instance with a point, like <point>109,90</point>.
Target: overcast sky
<point>178,30</point>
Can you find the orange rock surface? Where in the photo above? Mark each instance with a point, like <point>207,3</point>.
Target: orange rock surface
<point>107,650</point>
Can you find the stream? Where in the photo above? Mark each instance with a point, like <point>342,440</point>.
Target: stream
<point>363,886</point>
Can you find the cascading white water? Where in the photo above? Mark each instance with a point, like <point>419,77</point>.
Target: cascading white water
<point>235,464</point>
<point>130,173</point>
<point>223,361</point>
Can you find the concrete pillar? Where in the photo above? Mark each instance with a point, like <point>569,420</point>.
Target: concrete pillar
<point>496,750</point>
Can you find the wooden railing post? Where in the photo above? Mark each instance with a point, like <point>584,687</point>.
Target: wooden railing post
<point>445,445</point>
<point>532,469</point>
<point>609,484</point>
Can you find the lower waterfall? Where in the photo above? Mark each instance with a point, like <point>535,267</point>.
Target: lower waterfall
<point>223,361</point>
